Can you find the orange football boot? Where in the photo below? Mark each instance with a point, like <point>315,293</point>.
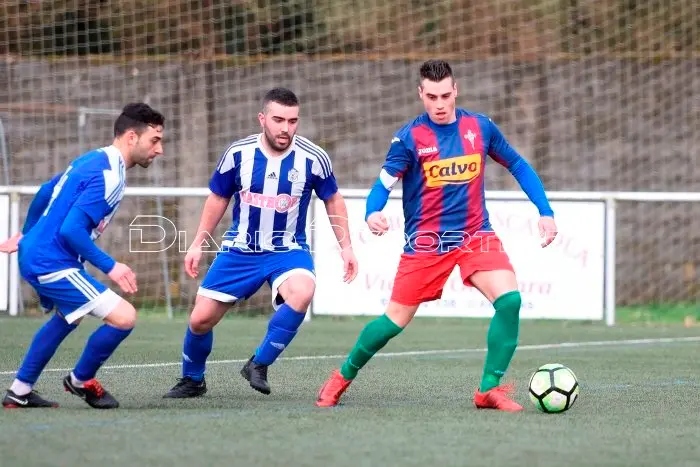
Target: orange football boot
<point>332,389</point>
<point>497,398</point>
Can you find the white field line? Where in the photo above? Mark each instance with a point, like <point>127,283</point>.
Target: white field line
<point>411,353</point>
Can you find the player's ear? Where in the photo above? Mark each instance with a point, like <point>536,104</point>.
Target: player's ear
<point>420,91</point>
<point>133,136</point>
<point>261,118</point>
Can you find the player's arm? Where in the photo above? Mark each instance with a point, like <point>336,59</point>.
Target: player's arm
<point>222,186</point>
<point>36,209</point>
<point>94,203</point>
<point>85,214</point>
<point>75,231</point>
<point>338,215</point>
<point>214,209</point>
<point>39,203</point>
<point>326,188</point>
<point>503,153</point>
<point>398,160</point>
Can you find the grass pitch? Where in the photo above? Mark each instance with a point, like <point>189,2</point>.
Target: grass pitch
<point>411,406</point>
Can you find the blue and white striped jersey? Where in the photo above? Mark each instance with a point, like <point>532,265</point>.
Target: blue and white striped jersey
<point>93,183</point>
<point>271,194</point>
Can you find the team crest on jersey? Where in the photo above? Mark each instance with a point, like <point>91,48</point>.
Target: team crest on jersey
<point>471,137</point>
<point>293,175</point>
<point>452,171</point>
<point>102,226</point>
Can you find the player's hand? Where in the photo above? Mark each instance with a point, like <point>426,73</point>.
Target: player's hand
<point>124,277</point>
<point>548,230</point>
<point>192,258</point>
<point>377,223</point>
<point>11,244</point>
<point>349,264</point>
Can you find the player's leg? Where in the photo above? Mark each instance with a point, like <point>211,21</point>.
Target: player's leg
<point>197,345</point>
<point>42,348</point>
<point>374,336</point>
<point>292,280</point>
<point>420,278</point>
<point>47,305</point>
<point>501,288</point>
<point>232,276</point>
<point>44,345</point>
<point>118,317</point>
<point>488,269</point>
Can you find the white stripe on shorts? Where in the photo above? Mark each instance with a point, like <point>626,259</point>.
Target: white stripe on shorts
<point>80,285</point>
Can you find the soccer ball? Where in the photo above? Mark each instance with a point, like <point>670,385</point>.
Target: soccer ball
<point>553,388</point>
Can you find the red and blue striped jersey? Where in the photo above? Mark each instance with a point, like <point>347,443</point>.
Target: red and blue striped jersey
<point>442,170</point>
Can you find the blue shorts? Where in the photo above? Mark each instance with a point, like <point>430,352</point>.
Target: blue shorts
<point>235,275</point>
<point>74,293</point>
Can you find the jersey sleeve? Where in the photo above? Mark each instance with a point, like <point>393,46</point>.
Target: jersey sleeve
<point>39,203</point>
<point>398,161</point>
<point>97,199</point>
<point>75,231</point>
<point>223,180</point>
<point>54,180</point>
<point>500,150</point>
<point>322,177</point>
<point>529,181</point>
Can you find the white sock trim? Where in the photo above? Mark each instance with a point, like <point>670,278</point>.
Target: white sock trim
<point>75,381</point>
<point>20,388</point>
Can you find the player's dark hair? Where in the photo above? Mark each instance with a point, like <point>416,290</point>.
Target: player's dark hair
<point>435,70</point>
<point>282,96</point>
<point>137,116</point>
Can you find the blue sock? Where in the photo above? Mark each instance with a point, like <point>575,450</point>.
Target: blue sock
<point>196,349</point>
<point>280,332</point>
<point>100,346</point>
<point>44,345</point>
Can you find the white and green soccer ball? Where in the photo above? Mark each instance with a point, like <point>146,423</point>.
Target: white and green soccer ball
<point>553,388</point>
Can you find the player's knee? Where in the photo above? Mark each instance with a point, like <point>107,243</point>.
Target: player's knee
<point>298,292</point>
<point>201,321</point>
<point>206,314</point>
<point>509,303</point>
<point>299,302</point>
<point>201,325</point>
<point>401,314</point>
<point>123,316</point>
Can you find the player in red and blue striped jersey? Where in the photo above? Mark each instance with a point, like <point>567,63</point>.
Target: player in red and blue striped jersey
<point>270,177</point>
<point>440,158</point>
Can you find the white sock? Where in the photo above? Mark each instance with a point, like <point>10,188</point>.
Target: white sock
<point>75,381</point>
<point>20,388</point>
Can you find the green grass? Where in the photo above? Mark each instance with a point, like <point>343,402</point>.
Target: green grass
<point>638,404</point>
<point>660,313</point>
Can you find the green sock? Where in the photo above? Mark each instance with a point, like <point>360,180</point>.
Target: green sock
<point>502,339</point>
<point>373,337</point>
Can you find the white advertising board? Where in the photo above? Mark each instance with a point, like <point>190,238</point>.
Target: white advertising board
<point>563,281</point>
<point>4,259</point>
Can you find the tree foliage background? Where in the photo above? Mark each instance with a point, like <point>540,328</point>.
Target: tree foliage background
<point>245,27</point>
